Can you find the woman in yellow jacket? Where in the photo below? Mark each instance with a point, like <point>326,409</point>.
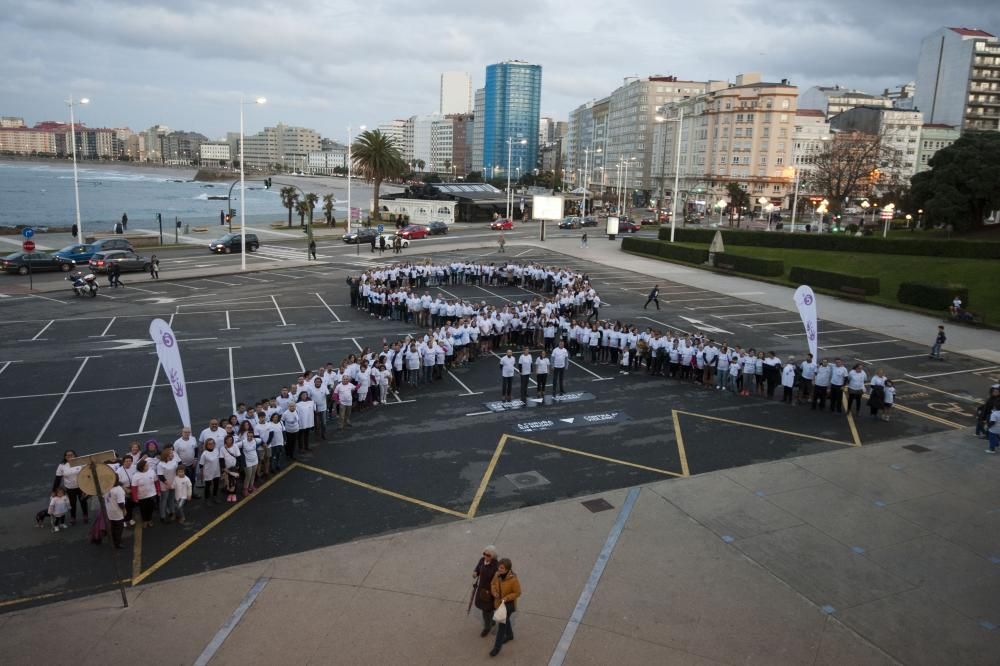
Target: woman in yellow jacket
<point>506,589</point>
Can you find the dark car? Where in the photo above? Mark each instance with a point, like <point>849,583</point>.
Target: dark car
<point>413,232</point>
<point>40,261</point>
<point>111,244</point>
<point>589,221</point>
<point>233,243</point>
<point>437,228</point>
<point>572,222</point>
<point>361,235</point>
<point>126,260</point>
<point>81,253</point>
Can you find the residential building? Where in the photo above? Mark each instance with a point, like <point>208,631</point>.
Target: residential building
<point>91,142</point>
<point>585,143</point>
<point>551,157</point>
<point>958,79</point>
<point>811,138</point>
<point>20,140</point>
<point>899,132</point>
<point>153,140</point>
<point>512,103</point>
<point>281,144</point>
<point>463,128</point>
<point>546,128</point>
<point>214,153</point>
<point>456,93</point>
<point>442,147</point>
<point>10,122</point>
<point>180,147</point>
<point>478,134</point>
<point>934,137</point>
<point>328,161</point>
<point>902,96</point>
<point>741,132</point>
<point>832,100</point>
<point>395,130</point>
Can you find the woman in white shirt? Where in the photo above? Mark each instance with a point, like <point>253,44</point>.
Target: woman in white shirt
<point>229,454</point>
<point>165,472</point>
<point>66,478</point>
<point>856,379</point>
<point>145,488</point>
<point>209,466</point>
<point>542,372</point>
<point>290,424</point>
<point>274,441</point>
<point>125,471</point>
<point>306,409</point>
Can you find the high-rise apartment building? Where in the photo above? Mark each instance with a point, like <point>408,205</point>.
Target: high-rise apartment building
<point>478,112</point>
<point>10,122</point>
<point>281,144</point>
<point>456,93</point>
<point>958,79</point>
<point>511,110</point>
<point>740,132</point>
<point>463,127</point>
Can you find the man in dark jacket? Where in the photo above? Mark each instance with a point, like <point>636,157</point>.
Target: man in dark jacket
<point>482,595</point>
<point>653,297</point>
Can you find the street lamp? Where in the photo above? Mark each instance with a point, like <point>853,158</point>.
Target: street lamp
<point>510,150</point>
<point>243,192</point>
<point>677,167</point>
<point>761,201</point>
<point>889,208</point>
<point>864,210</point>
<point>625,186</point>
<point>795,197</point>
<point>721,206</point>
<point>920,218</point>
<point>350,211</point>
<point>76,185</point>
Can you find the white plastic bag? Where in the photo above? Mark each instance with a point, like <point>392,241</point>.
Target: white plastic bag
<point>500,614</point>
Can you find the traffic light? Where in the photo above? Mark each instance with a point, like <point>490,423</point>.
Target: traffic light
<point>267,183</point>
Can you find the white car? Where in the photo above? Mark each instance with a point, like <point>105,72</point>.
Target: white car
<point>390,239</point>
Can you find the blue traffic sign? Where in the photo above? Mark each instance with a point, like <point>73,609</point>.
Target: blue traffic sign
<point>381,228</point>
<point>27,232</point>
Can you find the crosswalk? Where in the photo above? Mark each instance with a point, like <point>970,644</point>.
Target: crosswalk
<point>284,253</point>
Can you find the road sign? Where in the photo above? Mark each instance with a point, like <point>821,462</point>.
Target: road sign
<point>29,246</point>
<point>355,213</point>
<point>381,228</point>
<point>27,232</point>
<point>886,215</point>
<point>88,484</point>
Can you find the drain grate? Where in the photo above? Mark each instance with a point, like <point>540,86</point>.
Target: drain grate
<point>525,480</point>
<point>916,448</point>
<point>598,505</point>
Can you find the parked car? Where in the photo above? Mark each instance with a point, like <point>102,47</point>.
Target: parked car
<point>126,260</point>
<point>502,225</point>
<point>437,228</point>
<point>571,222</point>
<point>77,253</point>
<point>390,239</point>
<point>40,261</point>
<point>589,221</point>
<point>413,232</point>
<point>232,243</point>
<point>361,235</point>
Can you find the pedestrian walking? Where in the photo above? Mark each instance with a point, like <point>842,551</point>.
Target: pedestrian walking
<point>993,430</point>
<point>124,221</point>
<point>939,340</point>
<point>374,238</point>
<point>154,267</point>
<point>312,250</point>
<point>485,571</point>
<point>501,242</point>
<point>75,230</point>
<point>583,239</point>
<point>653,297</point>
<point>381,244</point>
<point>506,590</point>
<point>115,270</point>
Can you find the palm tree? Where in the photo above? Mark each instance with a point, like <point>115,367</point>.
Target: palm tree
<point>302,208</point>
<point>376,158</point>
<point>328,209</point>
<point>289,197</point>
<point>311,201</point>
<point>447,168</point>
<point>421,164</point>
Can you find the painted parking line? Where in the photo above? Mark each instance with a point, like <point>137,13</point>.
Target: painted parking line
<point>107,328</point>
<point>895,358</point>
<point>773,323</point>
<point>753,314</point>
<point>954,372</point>
<point>37,335</point>
<point>468,391</point>
<point>328,307</point>
<point>657,321</point>
<point>280,315</point>
<point>838,330</point>
<point>41,433</point>
<point>720,307</point>
<point>859,344</point>
<point>298,357</point>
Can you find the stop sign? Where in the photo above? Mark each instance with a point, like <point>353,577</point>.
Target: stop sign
<point>28,246</point>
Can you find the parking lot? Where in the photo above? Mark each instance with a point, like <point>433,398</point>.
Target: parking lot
<point>82,374</point>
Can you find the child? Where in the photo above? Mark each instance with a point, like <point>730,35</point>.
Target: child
<point>624,361</point>
<point>888,399</point>
<point>182,493</point>
<point>58,508</point>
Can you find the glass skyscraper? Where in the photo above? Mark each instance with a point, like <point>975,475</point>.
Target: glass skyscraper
<point>513,95</point>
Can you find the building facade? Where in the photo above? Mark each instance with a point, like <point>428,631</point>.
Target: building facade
<point>934,137</point>
<point>215,153</point>
<point>282,144</point>
<point>832,100</point>
<point>811,138</point>
<point>327,162</point>
<point>478,111</point>
<point>463,127</point>
<point>740,132</point>
<point>958,79</point>
<point>511,111</point>
<point>899,132</point>
<point>456,93</point>
<point>20,140</point>
<point>10,122</point>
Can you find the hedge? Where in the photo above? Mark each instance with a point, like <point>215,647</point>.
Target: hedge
<point>931,296</point>
<point>750,265</point>
<point>929,247</point>
<point>690,255</point>
<point>830,280</point>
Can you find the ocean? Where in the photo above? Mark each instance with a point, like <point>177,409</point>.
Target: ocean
<point>41,194</point>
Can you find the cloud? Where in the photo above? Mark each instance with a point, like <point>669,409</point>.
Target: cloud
<point>329,63</point>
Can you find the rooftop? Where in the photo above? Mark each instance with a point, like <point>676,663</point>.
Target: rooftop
<point>971,32</point>
<point>810,112</point>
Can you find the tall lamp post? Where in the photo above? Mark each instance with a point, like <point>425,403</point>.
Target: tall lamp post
<point>864,211</point>
<point>76,185</point>
<point>677,166</point>
<point>243,191</point>
<point>625,187</point>
<point>510,152</point>
<point>350,211</point>
<point>795,197</point>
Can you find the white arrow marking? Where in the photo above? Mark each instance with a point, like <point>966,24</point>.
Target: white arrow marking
<point>570,420</point>
<point>705,328</point>
<point>128,343</point>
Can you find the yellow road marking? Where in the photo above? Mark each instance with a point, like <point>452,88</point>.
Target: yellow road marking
<point>760,427</point>
<point>474,507</point>
<point>49,595</point>
<point>382,491</point>
<point>204,530</point>
<point>595,456</point>
<point>680,444</point>
<point>137,550</point>
<point>854,429</point>
<point>930,417</point>
<point>931,388</point>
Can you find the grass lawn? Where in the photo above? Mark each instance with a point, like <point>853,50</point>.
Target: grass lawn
<point>981,276</point>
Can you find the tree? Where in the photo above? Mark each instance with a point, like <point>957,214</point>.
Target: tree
<point>311,201</point>
<point>962,186</point>
<point>302,209</point>
<point>853,164</point>
<point>328,209</point>
<point>289,198</point>
<point>376,158</point>
<point>474,177</point>
<point>738,198</point>
<point>420,164</point>
<point>447,167</point>
<point>431,178</point>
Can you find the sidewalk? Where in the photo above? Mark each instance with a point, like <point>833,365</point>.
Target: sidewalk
<point>877,555</point>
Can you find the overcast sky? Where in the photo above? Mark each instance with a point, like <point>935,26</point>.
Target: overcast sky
<point>329,63</point>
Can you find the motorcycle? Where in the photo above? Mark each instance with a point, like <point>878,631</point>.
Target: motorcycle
<point>84,285</point>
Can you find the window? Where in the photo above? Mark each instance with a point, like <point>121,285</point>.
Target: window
<point>738,132</point>
<point>767,132</point>
<point>739,117</point>
<point>778,161</point>
<point>776,189</point>
<point>736,159</point>
<point>749,132</point>
<point>784,118</point>
<point>784,103</point>
<point>763,160</point>
<point>749,117</point>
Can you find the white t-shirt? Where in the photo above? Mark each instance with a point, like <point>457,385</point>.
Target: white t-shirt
<point>507,365</point>
<point>168,470</point>
<point>187,449</point>
<point>209,463</point>
<point>788,376</point>
<point>218,435</point>
<point>113,501</point>
<point>69,472</point>
<point>343,392</point>
<point>542,366</point>
<point>559,356</point>
<point>182,488</point>
<point>307,414</point>
<point>145,484</point>
<point>524,360</point>
<point>856,380</point>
